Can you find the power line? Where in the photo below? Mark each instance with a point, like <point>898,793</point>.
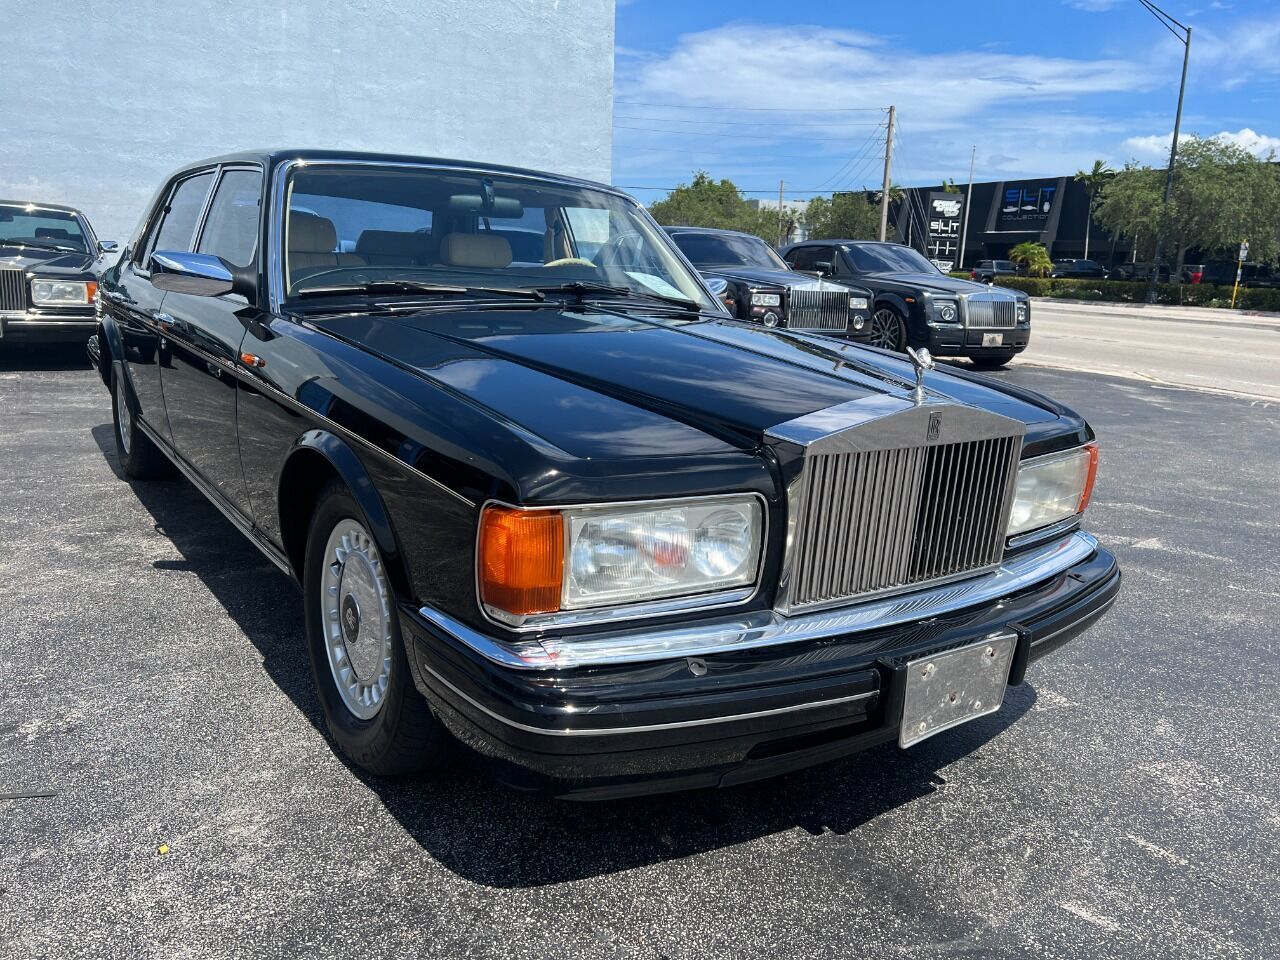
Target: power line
<point>692,106</point>
<point>757,123</point>
<point>721,135</point>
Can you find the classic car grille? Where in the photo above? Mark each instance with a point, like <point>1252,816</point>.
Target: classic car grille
<point>874,521</point>
<point>985,310</point>
<point>13,289</point>
<point>815,309</point>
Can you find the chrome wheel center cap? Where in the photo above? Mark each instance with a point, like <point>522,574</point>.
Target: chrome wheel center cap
<point>356,605</point>
<point>362,635</point>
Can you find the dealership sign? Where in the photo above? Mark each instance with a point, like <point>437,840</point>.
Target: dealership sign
<point>942,243</point>
<point>1027,204</point>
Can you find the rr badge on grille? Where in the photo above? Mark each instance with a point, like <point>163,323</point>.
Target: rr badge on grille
<point>934,432</point>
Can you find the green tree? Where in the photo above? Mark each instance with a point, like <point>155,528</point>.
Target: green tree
<point>720,204</point>
<point>1222,194</point>
<point>949,186</point>
<point>845,216</point>
<point>1034,257</point>
<point>1094,180</point>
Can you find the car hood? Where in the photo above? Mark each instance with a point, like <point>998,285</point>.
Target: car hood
<point>936,283</point>
<point>605,384</point>
<point>762,275</point>
<point>47,263</point>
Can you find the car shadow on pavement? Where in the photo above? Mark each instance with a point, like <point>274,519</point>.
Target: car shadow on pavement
<point>496,836</point>
<point>43,356</point>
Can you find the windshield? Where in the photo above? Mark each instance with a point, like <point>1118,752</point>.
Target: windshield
<point>889,258</point>
<point>719,250</point>
<point>40,227</point>
<point>350,227</point>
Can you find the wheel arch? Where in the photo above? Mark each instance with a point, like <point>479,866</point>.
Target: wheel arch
<point>110,347</point>
<point>317,458</point>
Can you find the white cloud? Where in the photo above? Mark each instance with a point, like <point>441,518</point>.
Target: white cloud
<point>1157,147</point>
<point>1094,6</point>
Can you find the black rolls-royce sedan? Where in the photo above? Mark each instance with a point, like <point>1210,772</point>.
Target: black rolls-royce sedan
<point>760,287</point>
<point>47,280</point>
<point>564,507</point>
<point>917,305</point>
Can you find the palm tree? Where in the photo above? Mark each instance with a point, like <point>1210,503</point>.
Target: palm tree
<point>1034,257</point>
<point>1093,182</point>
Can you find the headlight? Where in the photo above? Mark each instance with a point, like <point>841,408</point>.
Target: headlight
<point>946,311</point>
<point>857,303</point>
<point>1053,488</point>
<point>1021,309</point>
<point>62,293</point>
<point>544,561</point>
<point>766,300</point>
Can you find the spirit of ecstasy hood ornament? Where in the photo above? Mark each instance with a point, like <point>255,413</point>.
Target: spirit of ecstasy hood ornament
<point>922,360</point>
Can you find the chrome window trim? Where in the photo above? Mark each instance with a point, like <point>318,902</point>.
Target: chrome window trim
<point>766,628</point>
<point>618,613</point>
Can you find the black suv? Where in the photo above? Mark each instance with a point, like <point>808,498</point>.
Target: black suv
<point>759,286</point>
<point>1079,270</point>
<point>917,305</point>
<point>987,270</point>
<point>47,279</point>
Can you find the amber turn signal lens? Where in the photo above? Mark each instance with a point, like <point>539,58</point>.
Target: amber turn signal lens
<point>1092,449</point>
<point>521,560</point>
<point>90,291</point>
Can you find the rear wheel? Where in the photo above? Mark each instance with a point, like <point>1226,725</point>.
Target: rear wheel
<point>992,361</point>
<point>140,459</point>
<point>373,711</point>
<point>887,330</point>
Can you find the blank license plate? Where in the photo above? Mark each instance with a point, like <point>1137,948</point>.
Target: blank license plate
<point>993,339</point>
<point>953,687</point>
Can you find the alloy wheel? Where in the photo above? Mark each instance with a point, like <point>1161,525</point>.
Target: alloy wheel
<point>884,329</point>
<point>355,609</point>
<point>124,418</point>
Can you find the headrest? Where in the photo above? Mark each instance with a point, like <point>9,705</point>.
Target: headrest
<point>475,250</point>
<point>309,233</point>
<point>392,243</point>
<point>52,233</point>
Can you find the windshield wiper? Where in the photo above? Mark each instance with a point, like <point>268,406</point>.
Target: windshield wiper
<point>401,287</point>
<point>38,245</point>
<point>584,287</point>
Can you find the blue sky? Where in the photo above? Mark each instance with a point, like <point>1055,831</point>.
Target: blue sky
<point>757,91</point>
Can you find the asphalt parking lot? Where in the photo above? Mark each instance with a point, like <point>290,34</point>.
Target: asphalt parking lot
<point>156,698</point>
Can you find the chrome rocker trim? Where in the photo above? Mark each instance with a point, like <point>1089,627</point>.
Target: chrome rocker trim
<point>764,628</point>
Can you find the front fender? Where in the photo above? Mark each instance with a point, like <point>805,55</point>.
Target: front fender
<point>110,346</point>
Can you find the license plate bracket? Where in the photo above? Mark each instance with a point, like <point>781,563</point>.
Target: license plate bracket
<point>954,687</point>
<point>993,339</point>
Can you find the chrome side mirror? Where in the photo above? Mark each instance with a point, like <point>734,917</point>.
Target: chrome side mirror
<point>108,246</point>
<point>201,274</point>
<point>717,285</point>
<point>824,268</point>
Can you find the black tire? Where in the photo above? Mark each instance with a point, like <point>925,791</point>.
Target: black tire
<point>992,361</point>
<point>403,737</point>
<point>887,329</point>
<point>140,459</point>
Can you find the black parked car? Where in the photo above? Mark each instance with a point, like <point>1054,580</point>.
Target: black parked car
<point>760,287</point>
<point>47,282</point>
<point>987,270</point>
<point>1078,270</point>
<point>916,305</point>
<point>566,508</point>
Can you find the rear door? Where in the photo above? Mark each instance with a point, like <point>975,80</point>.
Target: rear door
<point>200,384</point>
<point>135,303</point>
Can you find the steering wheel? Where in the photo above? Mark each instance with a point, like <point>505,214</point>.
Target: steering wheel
<point>569,261</point>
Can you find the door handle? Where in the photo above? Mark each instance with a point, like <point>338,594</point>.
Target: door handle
<point>168,323</point>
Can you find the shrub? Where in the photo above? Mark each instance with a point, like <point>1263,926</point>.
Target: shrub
<point>1127,291</point>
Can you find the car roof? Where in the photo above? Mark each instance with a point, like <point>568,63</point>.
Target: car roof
<point>715,231</point>
<point>273,157</point>
<point>40,206</point>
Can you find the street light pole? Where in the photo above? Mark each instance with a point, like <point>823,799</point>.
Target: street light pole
<point>1165,19</point>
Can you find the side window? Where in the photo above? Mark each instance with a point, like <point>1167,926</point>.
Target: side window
<point>178,227</point>
<point>231,229</point>
<point>805,258</point>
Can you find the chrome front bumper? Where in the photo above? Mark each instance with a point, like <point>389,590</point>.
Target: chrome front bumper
<point>766,628</point>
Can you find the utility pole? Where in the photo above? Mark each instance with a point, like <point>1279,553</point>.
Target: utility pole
<point>968,202</point>
<point>1166,20</point>
<point>888,170</point>
<point>781,238</point>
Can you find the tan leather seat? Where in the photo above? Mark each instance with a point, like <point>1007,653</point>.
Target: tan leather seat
<point>394,247</point>
<point>480,250</point>
<point>313,242</point>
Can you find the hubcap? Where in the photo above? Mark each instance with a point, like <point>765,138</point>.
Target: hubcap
<point>124,419</point>
<point>884,329</point>
<point>355,606</point>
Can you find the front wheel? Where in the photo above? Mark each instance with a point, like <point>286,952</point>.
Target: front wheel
<point>373,711</point>
<point>992,361</point>
<point>887,330</point>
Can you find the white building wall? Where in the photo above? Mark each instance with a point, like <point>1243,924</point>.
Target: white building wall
<point>99,101</point>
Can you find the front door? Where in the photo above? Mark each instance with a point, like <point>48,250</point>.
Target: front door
<point>200,384</point>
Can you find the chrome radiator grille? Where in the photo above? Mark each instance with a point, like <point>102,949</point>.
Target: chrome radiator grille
<point>817,309</point>
<point>985,310</point>
<point>875,521</point>
<point>13,290</point>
